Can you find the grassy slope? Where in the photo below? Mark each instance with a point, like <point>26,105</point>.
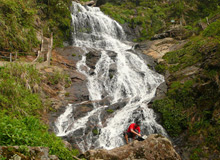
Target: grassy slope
<point>22,109</point>
<point>192,104</point>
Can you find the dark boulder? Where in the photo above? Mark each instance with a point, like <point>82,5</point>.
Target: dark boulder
<point>92,58</point>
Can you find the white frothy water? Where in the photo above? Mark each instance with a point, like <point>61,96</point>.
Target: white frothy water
<point>133,81</point>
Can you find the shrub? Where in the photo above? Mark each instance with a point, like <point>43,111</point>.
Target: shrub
<point>174,121</point>
<point>160,68</point>
<point>212,30</point>
<point>29,131</point>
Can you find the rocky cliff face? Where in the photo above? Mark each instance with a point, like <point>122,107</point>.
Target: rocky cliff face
<point>153,148</point>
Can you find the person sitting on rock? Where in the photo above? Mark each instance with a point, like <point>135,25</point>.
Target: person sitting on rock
<point>133,131</point>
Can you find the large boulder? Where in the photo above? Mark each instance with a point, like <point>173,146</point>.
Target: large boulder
<point>92,58</point>
<point>153,148</point>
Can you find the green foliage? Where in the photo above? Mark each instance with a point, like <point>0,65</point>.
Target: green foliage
<point>2,158</point>
<point>190,54</point>
<point>18,84</point>
<point>213,30</point>
<point>57,15</point>
<point>195,154</point>
<point>95,131</point>
<point>182,93</point>
<point>28,131</point>
<point>18,19</point>
<point>160,68</point>
<point>179,98</point>
<point>149,19</point>
<point>17,30</point>
<point>110,110</point>
<point>174,120</point>
<point>58,77</point>
<point>194,98</point>
<point>21,106</point>
<point>153,16</point>
<point>24,150</point>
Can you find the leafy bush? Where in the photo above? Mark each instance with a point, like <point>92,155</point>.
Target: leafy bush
<point>160,68</point>
<point>174,121</point>
<point>28,131</point>
<point>179,98</point>
<point>213,29</point>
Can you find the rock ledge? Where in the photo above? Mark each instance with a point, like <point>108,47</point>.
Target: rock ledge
<point>153,148</point>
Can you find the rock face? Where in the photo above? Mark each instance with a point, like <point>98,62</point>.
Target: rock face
<point>177,31</point>
<point>158,48</point>
<point>155,147</point>
<point>18,153</point>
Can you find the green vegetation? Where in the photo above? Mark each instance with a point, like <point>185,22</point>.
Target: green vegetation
<point>153,16</point>
<point>18,90</point>
<point>58,77</point>
<point>110,110</point>
<point>21,108</point>
<point>179,98</point>
<point>21,20</point>
<point>95,131</point>
<point>192,103</point>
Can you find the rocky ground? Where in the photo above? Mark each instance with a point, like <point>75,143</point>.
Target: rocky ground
<point>153,148</point>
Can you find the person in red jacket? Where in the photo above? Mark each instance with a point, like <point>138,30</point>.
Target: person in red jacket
<point>133,131</point>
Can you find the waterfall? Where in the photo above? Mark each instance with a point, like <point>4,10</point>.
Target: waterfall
<point>130,87</point>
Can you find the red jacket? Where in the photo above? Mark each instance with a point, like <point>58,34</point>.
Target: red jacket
<point>132,126</point>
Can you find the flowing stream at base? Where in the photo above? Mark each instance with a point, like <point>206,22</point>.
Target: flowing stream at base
<point>132,83</point>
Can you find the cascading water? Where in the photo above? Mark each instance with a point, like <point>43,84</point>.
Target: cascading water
<point>132,84</point>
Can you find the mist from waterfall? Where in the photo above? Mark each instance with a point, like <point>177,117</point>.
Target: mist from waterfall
<point>133,82</point>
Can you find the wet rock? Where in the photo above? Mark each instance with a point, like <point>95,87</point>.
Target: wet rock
<point>81,110</point>
<point>105,101</point>
<point>112,55</point>
<point>70,53</point>
<point>92,58</point>
<point>107,112</point>
<point>153,148</point>
<point>112,70</point>
<point>78,132</point>
<point>160,92</point>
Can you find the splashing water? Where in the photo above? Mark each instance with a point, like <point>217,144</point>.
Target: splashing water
<point>133,82</point>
